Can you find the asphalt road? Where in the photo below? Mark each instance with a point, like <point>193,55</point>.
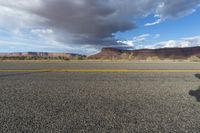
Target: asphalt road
<point>98,65</point>
<point>99,102</point>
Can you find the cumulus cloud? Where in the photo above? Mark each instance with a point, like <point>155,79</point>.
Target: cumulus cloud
<point>184,42</point>
<point>135,41</point>
<point>154,23</point>
<point>176,8</point>
<point>173,9</point>
<point>86,22</point>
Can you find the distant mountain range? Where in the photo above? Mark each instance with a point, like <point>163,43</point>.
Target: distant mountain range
<point>116,53</point>
<point>40,54</point>
<point>145,54</point>
<point>43,54</point>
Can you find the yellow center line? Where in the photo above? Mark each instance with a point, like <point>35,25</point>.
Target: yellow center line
<point>106,70</point>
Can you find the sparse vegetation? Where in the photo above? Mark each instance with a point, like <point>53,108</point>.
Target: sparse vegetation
<point>78,57</point>
<point>153,58</point>
<point>33,58</point>
<point>131,56</point>
<point>194,59</point>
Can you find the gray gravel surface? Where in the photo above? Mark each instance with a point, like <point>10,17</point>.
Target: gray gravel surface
<point>99,102</point>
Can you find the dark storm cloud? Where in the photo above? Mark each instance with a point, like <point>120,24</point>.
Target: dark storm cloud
<point>88,21</point>
<point>94,22</point>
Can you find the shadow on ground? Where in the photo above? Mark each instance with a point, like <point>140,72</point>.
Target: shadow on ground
<point>197,75</point>
<point>196,93</point>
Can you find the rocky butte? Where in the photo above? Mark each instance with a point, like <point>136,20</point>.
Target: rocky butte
<point>144,54</point>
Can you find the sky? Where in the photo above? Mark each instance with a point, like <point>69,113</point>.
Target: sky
<point>86,26</point>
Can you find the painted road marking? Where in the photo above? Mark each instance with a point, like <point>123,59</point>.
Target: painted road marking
<point>105,70</point>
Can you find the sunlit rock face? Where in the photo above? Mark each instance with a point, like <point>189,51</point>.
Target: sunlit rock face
<point>164,53</point>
